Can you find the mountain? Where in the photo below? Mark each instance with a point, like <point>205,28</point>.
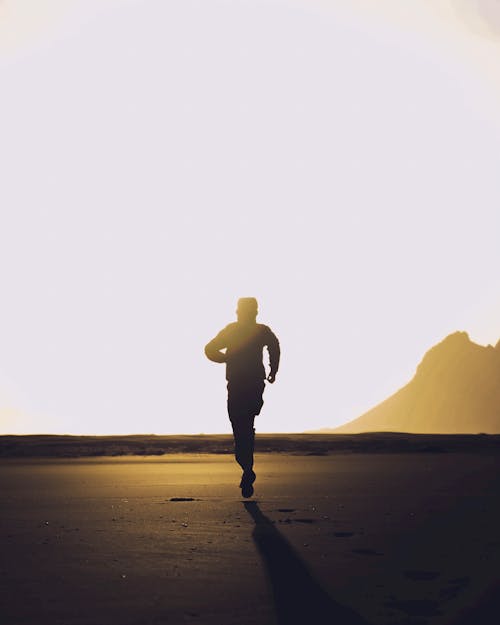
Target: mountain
<point>456,389</point>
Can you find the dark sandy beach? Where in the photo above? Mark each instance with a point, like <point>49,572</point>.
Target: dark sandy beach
<point>385,538</point>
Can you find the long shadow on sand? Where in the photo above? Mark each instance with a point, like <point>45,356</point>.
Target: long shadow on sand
<point>298,597</point>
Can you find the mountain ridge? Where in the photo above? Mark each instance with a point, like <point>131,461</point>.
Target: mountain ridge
<point>455,389</point>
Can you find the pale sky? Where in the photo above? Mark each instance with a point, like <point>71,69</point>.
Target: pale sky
<point>338,160</point>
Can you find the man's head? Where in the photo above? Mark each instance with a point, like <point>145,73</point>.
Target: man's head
<point>247,309</point>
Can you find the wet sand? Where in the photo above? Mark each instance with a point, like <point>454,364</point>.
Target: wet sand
<point>349,538</point>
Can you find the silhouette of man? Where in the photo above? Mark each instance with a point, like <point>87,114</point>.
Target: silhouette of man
<point>240,345</point>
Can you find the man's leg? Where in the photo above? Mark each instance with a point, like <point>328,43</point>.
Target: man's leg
<point>244,401</point>
<point>244,440</point>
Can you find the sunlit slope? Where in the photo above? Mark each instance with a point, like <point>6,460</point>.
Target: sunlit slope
<point>456,389</point>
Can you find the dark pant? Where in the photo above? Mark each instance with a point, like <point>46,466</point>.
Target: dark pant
<point>244,402</point>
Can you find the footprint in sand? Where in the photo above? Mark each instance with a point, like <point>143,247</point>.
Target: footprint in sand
<point>289,520</point>
<point>420,576</point>
<point>415,607</point>
<point>367,552</point>
<point>456,586</point>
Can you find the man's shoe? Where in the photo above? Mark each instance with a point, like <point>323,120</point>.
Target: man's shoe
<point>246,483</point>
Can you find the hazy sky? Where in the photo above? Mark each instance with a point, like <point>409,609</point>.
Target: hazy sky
<point>339,160</point>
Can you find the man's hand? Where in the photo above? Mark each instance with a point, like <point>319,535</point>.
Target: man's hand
<point>271,377</point>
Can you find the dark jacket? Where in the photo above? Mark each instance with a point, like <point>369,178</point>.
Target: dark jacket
<point>244,343</point>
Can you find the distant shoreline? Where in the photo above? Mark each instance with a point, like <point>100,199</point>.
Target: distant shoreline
<point>68,446</point>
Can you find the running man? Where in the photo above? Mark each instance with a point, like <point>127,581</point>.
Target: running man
<point>240,346</point>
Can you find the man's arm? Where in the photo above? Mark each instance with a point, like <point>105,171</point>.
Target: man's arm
<point>213,349</point>
<point>273,347</point>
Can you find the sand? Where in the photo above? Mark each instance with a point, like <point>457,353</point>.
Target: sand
<point>349,538</point>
